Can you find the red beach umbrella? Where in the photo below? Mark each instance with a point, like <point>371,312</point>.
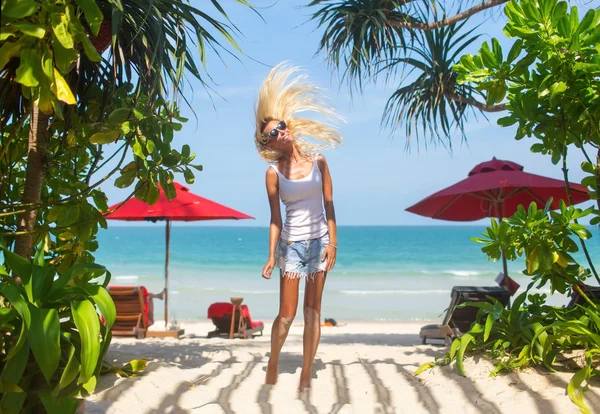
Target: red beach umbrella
<point>495,189</point>
<point>185,207</point>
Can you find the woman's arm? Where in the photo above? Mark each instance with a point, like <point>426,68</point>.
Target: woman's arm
<point>331,250</point>
<point>272,182</point>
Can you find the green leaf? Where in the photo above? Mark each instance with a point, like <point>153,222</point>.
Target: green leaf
<point>61,89</point>
<point>580,230</point>
<point>454,347</point>
<point>119,115</point>
<point>557,88</point>
<point>44,339</point>
<point>460,353</point>
<point>8,387</point>
<point>18,264</point>
<point>41,282</point>
<point>60,27</point>
<point>91,270</point>
<point>189,176</point>
<point>489,323</point>
<point>574,388</point>
<point>92,14</point>
<point>68,215</point>
<point>100,138</point>
<point>7,32</point>
<point>12,373</point>
<point>587,67</point>
<point>515,51</point>
<point>7,52</point>
<point>423,367</point>
<point>90,50</point>
<point>133,368</point>
<point>60,404</point>
<point>137,149</point>
<point>70,372</point>
<point>185,151</point>
<point>105,304</point>
<point>18,9</point>
<point>100,200</point>
<point>126,179</point>
<point>86,321</point>
<point>63,57</point>
<point>30,29</point>
<point>167,133</point>
<point>507,121</point>
<point>30,71</point>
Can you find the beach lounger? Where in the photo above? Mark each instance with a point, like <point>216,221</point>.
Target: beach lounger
<point>131,303</point>
<point>459,320</point>
<point>592,292</point>
<point>220,314</point>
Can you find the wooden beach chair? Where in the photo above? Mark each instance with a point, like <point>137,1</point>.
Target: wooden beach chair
<point>132,306</point>
<point>457,321</point>
<point>221,315</point>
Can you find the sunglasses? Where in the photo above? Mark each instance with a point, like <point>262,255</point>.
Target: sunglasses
<point>281,126</point>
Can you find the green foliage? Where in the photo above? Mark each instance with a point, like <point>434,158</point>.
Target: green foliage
<point>358,36</point>
<point>116,114</point>
<point>545,239</point>
<point>533,334</point>
<point>423,105</point>
<point>550,79</point>
<point>365,39</point>
<point>54,342</point>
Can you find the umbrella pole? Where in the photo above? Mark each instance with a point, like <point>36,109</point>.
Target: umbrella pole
<point>167,237</point>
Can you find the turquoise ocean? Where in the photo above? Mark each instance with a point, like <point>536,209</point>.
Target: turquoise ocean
<point>382,273</point>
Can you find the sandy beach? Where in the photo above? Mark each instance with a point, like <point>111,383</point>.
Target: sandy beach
<point>362,367</point>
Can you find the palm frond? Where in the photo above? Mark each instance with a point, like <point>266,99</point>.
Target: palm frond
<point>424,106</point>
<point>358,35</point>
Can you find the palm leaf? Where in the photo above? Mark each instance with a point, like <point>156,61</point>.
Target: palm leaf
<point>424,106</point>
<point>358,35</point>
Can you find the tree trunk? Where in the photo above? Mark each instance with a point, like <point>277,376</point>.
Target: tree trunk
<point>34,178</point>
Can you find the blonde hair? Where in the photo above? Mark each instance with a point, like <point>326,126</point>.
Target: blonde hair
<point>283,94</point>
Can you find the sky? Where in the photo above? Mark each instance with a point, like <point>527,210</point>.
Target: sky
<point>375,178</point>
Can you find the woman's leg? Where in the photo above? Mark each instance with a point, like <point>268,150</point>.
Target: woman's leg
<point>288,303</point>
<point>312,325</point>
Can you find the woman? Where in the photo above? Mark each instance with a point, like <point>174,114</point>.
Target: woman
<point>306,245</point>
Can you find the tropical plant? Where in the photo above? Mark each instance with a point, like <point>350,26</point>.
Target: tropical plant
<point>550,79</point>
<point>53,340</point>
<point>51,72</point>
<point>88,89</point>
<point>532,333</point>
<point>434,102</point>
<point>365,38</point>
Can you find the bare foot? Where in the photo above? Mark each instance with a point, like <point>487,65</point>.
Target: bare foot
<point>271,377</point>
<point>303,392</point>
<point>304,383</point>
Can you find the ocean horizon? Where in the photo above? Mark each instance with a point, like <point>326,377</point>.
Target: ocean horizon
<point>382,272</point>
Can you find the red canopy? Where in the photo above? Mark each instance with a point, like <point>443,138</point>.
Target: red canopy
<point>186,207</point>
<point>495,189</point>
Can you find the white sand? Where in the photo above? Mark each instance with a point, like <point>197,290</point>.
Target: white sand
<point>363,367</point>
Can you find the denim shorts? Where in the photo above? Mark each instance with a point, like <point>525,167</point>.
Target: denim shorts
<point>301,258</point>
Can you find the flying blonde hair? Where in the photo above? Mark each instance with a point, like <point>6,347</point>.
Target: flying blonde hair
<point>285,93</point>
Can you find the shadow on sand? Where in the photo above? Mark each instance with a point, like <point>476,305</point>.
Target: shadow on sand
<point>197,353</point>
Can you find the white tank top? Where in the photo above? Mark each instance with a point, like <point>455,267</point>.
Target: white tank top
<point>303,200</point>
